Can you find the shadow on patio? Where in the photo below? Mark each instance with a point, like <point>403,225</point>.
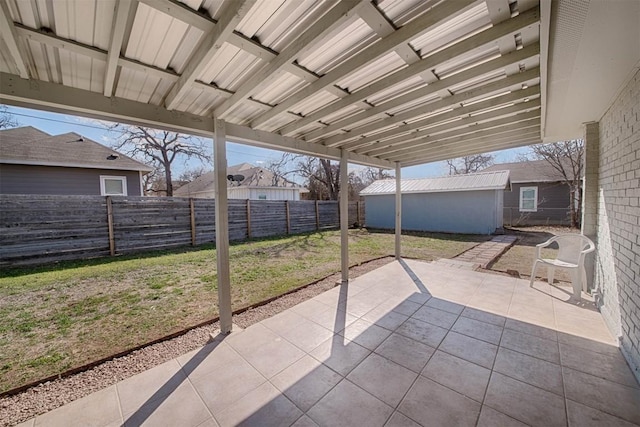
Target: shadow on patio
<point>411,343</point>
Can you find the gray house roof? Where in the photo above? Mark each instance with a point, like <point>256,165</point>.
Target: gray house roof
<point>498,180</point>
<point>531,171</point>
<point>254,176</point>
<point>30,146</point>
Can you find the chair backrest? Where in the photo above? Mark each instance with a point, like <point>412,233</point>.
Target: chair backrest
<point>570,246</point>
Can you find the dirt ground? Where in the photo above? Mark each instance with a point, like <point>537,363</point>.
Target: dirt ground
<point>518,260</point>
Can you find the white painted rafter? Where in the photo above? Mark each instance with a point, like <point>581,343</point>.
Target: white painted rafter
<point>232,13</point>
<point>121,17</point>
<point>413,29</point>
<point>8,32</point>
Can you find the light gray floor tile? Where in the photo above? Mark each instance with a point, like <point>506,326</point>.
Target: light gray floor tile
<point>484,316</point>
<point>432,404</point>
<point>307,335</point>
<point>383,378</point>
<point>458,374</point>
<point>491,418</point>
<point>225,385</point>
<point>585,416</point>
<point>306,381</point>
<point>183,407</point>
<point>97,409</point>
<point>612,367</point>
<point>409,353</point>
<point>531,345</point>
<point>206,359</point>
<point>263,407</point>
<point>607,396</point>
<point>477,329</point>
<point>283,321</point>
<point>531,329</point>
<point>525,402</point>
<point>400,420</point>
<point>445,305</point>
<point>385,318</point>
<point>441,318</point>
<point>209,423</point>
<point>406,307</point>
<point>305,421</point>
<point>421,331</point>
<point>273,357</point>
<point>470,349</point>
<point>366,334</point>
<point>334,319</point>
<point>349,405</point>
<point>531,370</point>
<point>340,354</point>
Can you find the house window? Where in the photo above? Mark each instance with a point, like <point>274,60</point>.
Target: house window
<point>113,185</point>
<point>528,199</point>
<point>262,197</point>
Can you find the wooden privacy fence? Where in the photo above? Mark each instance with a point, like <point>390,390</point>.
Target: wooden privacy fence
<point>40,229</point>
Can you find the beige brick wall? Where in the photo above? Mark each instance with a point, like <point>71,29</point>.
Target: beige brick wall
<point>617,266</point>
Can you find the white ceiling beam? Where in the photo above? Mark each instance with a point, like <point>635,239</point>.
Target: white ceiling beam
<point>458,113</point>
<point>232,13</point>
<point>340,13</point>
<point>405,34</point>
<point>118,29</point>
<point>9,35</point>
<point>509,131</point>
<point>184,13</point>
<point>58,98</point>
<point>404,141</point>
<point>471,128</point>
<point>261,138</point>
<point>487,36</point>
<point>432,107</point>
<point>435,87</point>
<point>485,146</point>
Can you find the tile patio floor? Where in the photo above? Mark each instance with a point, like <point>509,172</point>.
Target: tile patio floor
<point>408,344</point>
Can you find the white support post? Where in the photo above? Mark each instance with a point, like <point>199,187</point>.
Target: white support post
<point>590,194</point>
<point>222,226</point>
<point>344,216</point>
<point>398,212</point>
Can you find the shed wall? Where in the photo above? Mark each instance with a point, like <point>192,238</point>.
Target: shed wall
<point>470,212</point>
<point>553,204</point>
<point>27,179</point>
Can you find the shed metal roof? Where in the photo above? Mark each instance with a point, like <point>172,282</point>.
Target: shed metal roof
<point>408,81</point>
<point>498,180</point>
<point>30,146</point>
<point>530,171</point>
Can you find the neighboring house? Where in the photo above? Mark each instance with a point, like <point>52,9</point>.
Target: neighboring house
<point>470,203</point>
<point>34,162</point>
<point>245,181</point>
<point>538,195</point>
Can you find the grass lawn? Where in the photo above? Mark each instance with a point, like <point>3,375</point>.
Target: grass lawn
<point>58,317</point>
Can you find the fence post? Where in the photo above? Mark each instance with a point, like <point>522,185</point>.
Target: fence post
<point>192,210</point>
<point>317,217</point>
<point>286,204</point>
<point>112,241</point>
<point>248,218</point>
<point>358,214</point>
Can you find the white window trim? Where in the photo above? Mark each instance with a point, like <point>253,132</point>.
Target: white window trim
<point>535,199</point>
<point>121,178</point>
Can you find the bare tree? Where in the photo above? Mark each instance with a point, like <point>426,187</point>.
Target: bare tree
<point>6,118</point>
<point>470,164</point>
<point>159,149</point>
<point>566,157</point>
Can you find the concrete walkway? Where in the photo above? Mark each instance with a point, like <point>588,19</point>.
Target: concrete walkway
<point>485,253</point>
<point>411,343</point>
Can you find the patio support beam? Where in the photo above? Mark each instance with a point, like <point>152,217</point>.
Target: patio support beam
<point>398,211</point>
<point>232,13</point>
<point>8,32</point>
<point>344,216</point>
<point>410,31</point>
<point>118,29</point>
<point>222,226</point>
<point>590,193</point>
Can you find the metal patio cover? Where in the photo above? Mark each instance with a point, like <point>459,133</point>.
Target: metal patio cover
<point>390,82</point>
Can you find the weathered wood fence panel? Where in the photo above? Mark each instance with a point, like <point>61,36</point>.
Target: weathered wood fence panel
<point>39,229</point>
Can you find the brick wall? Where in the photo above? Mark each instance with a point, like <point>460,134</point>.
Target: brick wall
<point>617,266</point>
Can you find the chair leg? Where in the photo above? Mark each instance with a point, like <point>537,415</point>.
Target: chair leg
<point>550,273</point>
<point>533,273</point>
<point>583,278</point>
<point>576,281</point>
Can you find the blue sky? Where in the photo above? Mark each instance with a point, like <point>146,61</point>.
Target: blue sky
<point>55,124</point>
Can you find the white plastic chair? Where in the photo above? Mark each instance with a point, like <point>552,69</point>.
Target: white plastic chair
<point>571,253</point>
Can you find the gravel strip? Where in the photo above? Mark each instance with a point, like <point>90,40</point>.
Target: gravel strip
<point>53,394</point>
